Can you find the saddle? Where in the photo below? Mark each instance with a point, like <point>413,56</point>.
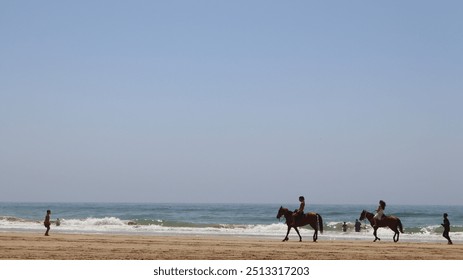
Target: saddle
<point>298,216</point>
<point>380,221</point>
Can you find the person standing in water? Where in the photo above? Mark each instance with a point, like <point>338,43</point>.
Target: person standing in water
<point>358,225</point>
<point>344,227</point>
<point>446,226</point>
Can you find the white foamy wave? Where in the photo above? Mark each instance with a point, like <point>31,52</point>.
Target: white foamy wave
<point>95,225</point>
<point>113,225</point>
<point>13,223</point>
<point>97,222</point>
<point>429,230</point>
<point>238,230</point>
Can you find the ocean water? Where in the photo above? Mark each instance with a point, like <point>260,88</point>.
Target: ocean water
<point>421,223</point>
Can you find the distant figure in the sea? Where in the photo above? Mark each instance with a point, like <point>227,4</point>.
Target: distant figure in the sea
<point>379,212</point>
<point>344,227</point>
<point>58,222</point>
<point>358,225</point>
<point>299,212</point>
<point>446,226</point>
<point>46,222</point>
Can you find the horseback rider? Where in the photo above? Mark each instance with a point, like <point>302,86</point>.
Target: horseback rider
<point>299,212</point>
<point>379,212</point>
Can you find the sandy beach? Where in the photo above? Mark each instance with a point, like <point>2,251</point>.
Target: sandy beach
<point>34,246</point>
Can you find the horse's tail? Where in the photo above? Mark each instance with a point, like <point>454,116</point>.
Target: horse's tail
<point>400,225</point>
<point>320,222</point>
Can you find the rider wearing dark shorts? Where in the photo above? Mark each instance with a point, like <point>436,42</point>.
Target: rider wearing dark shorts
<point>299,212</point>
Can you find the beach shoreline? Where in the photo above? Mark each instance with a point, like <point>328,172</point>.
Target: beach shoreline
<point>59,246</point>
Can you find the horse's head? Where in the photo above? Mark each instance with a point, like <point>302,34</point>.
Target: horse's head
<point>363,215</point>
<point>281,212</point>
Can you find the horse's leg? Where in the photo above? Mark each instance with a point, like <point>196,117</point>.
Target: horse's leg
<point>300,237</point>
<point>396,233</point>
<point>287,233</point>
<point>374,233</point>
<point>315,234</point>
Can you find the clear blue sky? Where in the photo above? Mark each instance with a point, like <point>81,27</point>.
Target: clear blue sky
<point>231,101</point>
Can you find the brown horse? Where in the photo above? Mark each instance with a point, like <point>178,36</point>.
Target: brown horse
<point>306,219</point>
<point>392,222</point>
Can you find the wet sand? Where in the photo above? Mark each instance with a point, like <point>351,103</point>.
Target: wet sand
<point>34,246</point>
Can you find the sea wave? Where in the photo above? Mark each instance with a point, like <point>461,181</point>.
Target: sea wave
<point>115,225</point>
<point>9,219</point>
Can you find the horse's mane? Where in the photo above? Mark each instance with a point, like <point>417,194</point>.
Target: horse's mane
<point>287,210</point>
<point>367,213</point>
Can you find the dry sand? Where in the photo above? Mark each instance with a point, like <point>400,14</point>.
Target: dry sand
<point>134,247</point>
